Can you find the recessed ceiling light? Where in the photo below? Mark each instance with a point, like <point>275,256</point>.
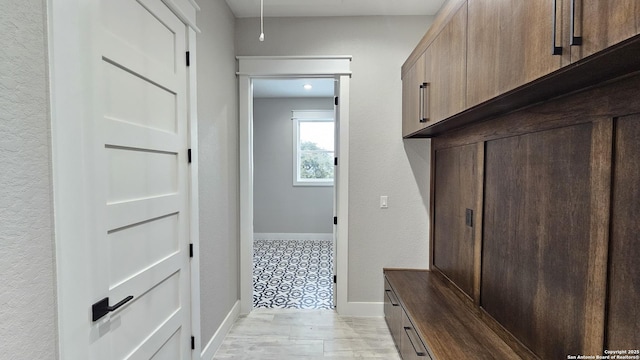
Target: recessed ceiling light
<point>307,86</point>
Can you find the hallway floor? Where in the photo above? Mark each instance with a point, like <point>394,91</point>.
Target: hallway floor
<point>287,334</point>
<point>293,274</point>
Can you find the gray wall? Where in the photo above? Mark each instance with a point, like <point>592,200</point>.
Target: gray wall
<point>381,163</point>
<point>27,288</point>
<point>218,165</point>
<point>278,206</point>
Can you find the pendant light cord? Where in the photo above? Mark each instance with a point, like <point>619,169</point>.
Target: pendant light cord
<point>261,20</point>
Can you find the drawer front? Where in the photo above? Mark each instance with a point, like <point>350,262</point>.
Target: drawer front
<point>411,346</point>
<point>392,312</point>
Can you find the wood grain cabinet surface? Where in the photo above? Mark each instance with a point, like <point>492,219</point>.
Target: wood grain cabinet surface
<point>559,231</point>
<point>510,44</point>
<point>486,57</point>
<point>600,24</point>
<point>414,117</point>
<point>455,200</point>
<point>447,70</point>
<point>434,87</point>
<point>623,325</point>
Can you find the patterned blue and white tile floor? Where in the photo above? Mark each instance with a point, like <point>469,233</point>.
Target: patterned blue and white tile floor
<point>293,274</point>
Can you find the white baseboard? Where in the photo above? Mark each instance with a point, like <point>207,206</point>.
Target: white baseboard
<point>361,309</point>
<point>292,236</point>
<point>209,351</point>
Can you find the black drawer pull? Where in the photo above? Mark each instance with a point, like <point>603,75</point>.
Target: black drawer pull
<point>557,50</point>
<point>393,301</point>
<point>418,353</point>
<point>102,308</point>
<point>575,40</point>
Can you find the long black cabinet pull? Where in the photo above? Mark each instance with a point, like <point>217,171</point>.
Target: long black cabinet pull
<point>418,353</point>
<point>557,50</point>
<point>575,40</point>
<point>102,308</point>
<point>394,302</point>
<point>421,104</point>
<point>424,102</point>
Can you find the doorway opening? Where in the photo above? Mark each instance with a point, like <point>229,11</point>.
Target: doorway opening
<point>251,71</point>
<point>294,149</point>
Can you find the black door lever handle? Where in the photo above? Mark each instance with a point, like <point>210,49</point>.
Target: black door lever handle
<point>102,308</point>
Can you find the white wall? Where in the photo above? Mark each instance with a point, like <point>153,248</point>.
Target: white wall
<point>218,165</point>
<point>381,162</point>
<point>278,206</point>
<point>27,289</point>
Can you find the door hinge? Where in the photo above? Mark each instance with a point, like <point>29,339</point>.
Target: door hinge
<point>335,161</point>
<point>188,58</point>
<point>189,155</point>
<point>190,250</point>
<point>193,343</point>
<point>336,101</point>
<point>335,279</point>
<point>335,220</point>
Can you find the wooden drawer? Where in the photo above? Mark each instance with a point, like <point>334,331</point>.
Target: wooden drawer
<point>411,346</point>
<point>392,312</point>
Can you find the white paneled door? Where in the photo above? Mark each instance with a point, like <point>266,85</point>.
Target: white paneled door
<point>142,246</point>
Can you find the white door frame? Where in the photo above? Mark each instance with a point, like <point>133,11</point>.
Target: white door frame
<point>73,52</point>
<point>337,67</point>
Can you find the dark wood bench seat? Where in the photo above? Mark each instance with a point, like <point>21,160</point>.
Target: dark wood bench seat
<point>448,327</point>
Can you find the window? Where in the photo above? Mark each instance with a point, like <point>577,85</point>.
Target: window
<point>313,132</point>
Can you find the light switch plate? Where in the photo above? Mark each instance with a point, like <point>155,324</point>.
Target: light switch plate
<point>384,202</point>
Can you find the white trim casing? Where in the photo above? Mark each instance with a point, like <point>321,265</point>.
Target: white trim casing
<point>71,72</point>
<point>194,208</point>
<point>337,67</point>
<point>245,103</point>
<point>293,236</point>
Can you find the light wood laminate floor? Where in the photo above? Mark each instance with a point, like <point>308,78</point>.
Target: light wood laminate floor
<point>283,334</point>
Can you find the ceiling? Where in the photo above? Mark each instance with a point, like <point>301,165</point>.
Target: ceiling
<point>285,8</point>
<point>287,88</point>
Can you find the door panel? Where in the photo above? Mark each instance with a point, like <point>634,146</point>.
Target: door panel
<point>623,323</point>
<point>135,174</point>
<point>145,103</point>
<point>144,131</point>
<point>603,23</point>
<point>455,192</point>
<point>139,246</point>
<point>511,45</point>
<point>535,255</point>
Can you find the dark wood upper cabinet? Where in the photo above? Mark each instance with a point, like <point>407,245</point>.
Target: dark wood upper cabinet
<point>601,23</point>
<point>447,70</point>
<point>455,201</point>
<point>509,44</point>
<point>623,324</point>
<point>413,97</point>
<point>434,83</point>
<point>535,258</point>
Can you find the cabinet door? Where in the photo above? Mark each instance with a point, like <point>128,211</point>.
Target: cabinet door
<point>535,255</point>
<point>413,98</point>
<point>623,324</point>
<point>447,72</point>
<point>509,45</point>
<point>455,195</point>
<point>603,23</point>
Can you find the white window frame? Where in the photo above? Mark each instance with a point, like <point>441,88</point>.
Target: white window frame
<point>297,117</point>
